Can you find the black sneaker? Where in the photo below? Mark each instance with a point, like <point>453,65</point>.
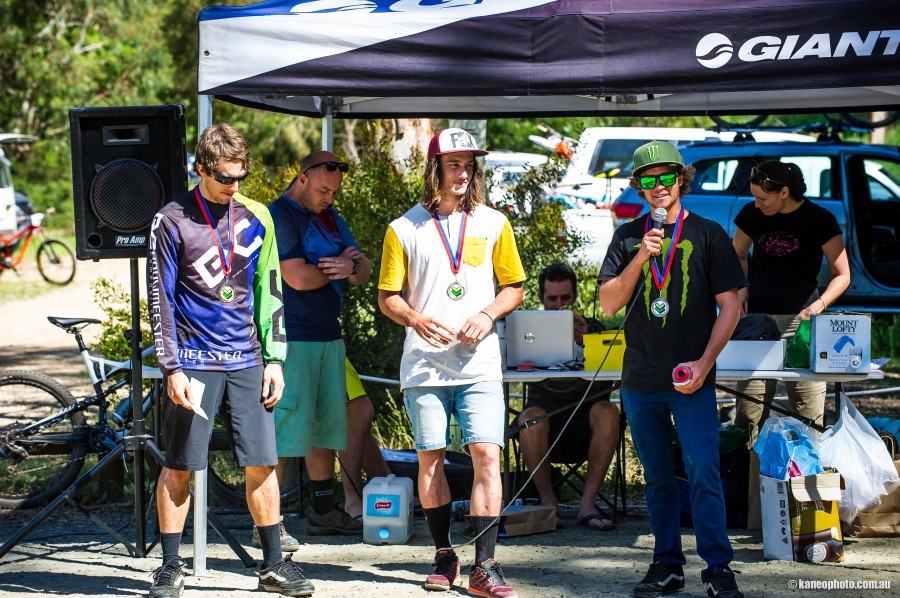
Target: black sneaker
<point>660,579</point>
<point>168,580</point>
<point>285,577</point>
<point>720,583</point>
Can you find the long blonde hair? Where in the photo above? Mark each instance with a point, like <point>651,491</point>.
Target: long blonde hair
<point>433,184</point>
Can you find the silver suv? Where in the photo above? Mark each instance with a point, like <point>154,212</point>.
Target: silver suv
<point>858,183</point>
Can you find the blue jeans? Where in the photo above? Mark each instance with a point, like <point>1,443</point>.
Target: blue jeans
<point>697,423</point>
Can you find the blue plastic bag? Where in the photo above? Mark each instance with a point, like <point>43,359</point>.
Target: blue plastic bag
<point>786,449</point>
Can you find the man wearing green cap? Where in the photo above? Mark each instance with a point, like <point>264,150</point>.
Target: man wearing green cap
<point>677,273</point>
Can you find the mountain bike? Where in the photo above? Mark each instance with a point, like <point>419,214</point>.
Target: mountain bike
<point>46,433</point>
<point>55,259</point>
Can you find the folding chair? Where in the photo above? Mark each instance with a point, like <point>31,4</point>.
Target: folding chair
<point>567,467</point>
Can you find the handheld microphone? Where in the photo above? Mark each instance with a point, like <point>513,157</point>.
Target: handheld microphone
<point>659,216</point>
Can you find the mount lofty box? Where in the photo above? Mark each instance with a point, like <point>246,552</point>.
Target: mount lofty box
<point>752,355</point>
<point>840,342</point>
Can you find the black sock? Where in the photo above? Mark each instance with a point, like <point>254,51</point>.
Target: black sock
<point>270,538</point>
<point>322,495</point>
<point>487,542</point>
<point>438,520</point>
<point>170,544</point>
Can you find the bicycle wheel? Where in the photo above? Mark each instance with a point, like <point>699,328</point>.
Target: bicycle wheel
<point>56,262</point>
<point>863,119</point>
<point>739,122</point>
<point>36,469</point>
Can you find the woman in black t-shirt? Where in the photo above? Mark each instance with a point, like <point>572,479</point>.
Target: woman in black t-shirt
<point>789,235</point>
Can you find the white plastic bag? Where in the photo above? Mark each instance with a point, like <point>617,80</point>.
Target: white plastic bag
<point>853,448</point>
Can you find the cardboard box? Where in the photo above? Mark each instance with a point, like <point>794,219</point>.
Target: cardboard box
<point>522,520</point>
<point>840,342</point>
<point>752,355</point>
<point>882,520</point>
<point>800,518</point>
<point>597,344</point>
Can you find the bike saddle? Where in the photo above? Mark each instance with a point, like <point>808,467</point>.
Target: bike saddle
<point>69,323</point>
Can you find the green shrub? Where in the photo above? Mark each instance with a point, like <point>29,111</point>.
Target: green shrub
<point>115,302</point>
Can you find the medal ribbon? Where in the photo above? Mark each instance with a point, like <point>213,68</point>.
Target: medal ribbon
<point>660,279</point>
<point>203,208</point>
<point>455,260</point>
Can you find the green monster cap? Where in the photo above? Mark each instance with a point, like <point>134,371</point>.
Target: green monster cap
<point>655,153</point>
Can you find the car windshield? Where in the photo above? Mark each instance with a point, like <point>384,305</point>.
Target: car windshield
<point>614,153</point>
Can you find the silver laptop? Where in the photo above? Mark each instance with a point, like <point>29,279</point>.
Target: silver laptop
<point>543,338</point>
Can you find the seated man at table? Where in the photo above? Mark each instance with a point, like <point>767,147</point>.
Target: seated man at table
<point>595,428</point>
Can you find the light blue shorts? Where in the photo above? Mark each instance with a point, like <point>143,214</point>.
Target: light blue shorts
<point>479,408</point>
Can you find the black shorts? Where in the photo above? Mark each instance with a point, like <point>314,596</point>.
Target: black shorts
<point>576,440</point>
<point>250,426</point>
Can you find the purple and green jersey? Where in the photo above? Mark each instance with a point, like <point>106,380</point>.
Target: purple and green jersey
<point>201,319</point>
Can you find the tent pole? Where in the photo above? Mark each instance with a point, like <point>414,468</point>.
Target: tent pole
<point>204,119</point>
<point>328,124</point>
<point>204,112</point>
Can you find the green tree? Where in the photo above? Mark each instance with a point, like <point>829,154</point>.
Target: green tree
<point>58,54</point>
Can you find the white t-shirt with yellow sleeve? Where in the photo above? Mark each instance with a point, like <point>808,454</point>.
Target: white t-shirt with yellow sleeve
<point>415,263</point>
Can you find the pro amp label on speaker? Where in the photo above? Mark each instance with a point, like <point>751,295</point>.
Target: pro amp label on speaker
<point>127,241</point>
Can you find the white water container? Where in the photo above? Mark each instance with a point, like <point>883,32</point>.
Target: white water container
<point>388,510</point>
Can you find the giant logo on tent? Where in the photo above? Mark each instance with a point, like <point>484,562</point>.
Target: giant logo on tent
<point>714,50</point>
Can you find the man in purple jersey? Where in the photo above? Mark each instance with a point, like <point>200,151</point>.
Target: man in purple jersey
<point>218,323</point>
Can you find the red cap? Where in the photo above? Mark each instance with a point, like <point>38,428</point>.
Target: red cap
<point>450,141</point>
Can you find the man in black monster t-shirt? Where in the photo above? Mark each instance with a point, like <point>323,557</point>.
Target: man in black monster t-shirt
<point>676,276</point>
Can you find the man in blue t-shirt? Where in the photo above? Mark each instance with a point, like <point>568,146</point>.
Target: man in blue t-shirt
<point>317,252</point>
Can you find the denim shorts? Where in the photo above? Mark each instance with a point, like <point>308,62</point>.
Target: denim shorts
<point>479,408</point>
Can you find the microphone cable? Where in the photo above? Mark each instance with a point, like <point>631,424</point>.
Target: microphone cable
<point>562,431</point>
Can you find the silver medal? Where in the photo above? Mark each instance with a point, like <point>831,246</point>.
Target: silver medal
<point>659,307</point>
<point>456,291</point>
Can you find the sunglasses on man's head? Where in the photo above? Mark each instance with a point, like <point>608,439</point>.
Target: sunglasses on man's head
<point>650,181</point>
<point>330,166</point>
<point>229,180</point>
<point>758,177</point>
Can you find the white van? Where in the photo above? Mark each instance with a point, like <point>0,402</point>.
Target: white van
<point>7,192</point>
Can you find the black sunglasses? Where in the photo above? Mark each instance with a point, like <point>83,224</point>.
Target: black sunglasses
<point>229,180</point>
<point>330,166</point>
<point>650,181</point>
<point>758,177</point>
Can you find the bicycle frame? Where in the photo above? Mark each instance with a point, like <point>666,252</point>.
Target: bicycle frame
<point>28,231</point>
<point>100,370</point>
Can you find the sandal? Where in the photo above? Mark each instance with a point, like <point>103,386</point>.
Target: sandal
<point>605,524</point>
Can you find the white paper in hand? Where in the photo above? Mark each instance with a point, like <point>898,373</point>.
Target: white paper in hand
<point>197,394</point>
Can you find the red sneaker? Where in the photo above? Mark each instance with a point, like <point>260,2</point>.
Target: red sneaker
<point>487,580</point>
<point>446,571</point>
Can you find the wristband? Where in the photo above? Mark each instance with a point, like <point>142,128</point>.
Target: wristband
<point>488,315</point>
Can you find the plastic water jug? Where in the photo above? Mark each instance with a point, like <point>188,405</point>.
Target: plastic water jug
<point>388,510</point>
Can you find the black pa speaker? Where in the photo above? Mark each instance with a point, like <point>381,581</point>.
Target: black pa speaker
<point>127,163</point>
